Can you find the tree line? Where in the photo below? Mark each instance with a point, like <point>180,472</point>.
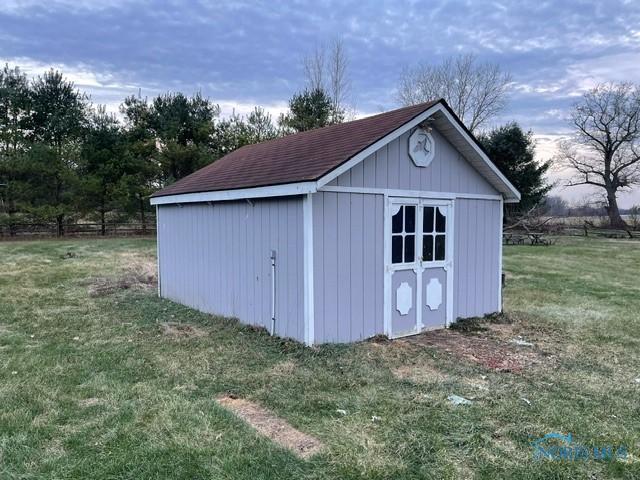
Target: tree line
<point>63,158</point>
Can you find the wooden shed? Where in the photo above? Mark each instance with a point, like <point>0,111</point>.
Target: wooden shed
<point>390,224</point>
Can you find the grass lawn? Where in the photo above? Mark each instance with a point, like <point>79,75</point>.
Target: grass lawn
<point>93,387</point>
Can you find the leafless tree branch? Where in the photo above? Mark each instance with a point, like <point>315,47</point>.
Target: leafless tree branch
<point>606,144</point>
<point>476,91</point>
<point>314,68</point>
<point>327,69</point>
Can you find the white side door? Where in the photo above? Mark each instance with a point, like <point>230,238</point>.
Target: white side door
<point>418,265</point>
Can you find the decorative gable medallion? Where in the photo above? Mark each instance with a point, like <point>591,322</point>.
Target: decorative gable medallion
<point>421,147</point>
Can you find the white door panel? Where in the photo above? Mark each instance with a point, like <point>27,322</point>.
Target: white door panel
<point>418,265</point>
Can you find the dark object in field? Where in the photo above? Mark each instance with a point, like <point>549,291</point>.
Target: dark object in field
<point>68,255</point>
<point>478,324</point>
<point>379,339</point>
<point>607,232</point>
<point>539,239</point>
<point>509,238</point>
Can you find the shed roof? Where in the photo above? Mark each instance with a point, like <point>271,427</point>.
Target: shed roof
<point>306,156</point>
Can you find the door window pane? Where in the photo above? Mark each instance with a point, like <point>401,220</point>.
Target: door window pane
<point>410,219</point>
<point>409,248</point>
<point>427,220</point>
<point>396,221</point>
<point>427,248</point>
<point>441,221</point>
<point>440,247</point>
<point>396,249</point>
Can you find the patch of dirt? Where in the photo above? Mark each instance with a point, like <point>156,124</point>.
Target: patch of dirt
<point>490,353</point>
<point>181,330</point>
<point>419,374</point>
<point>283,369</point>
<point>272,427</point>
<point>54,449</point>
<point>140,274</point>
<point>89,402</point>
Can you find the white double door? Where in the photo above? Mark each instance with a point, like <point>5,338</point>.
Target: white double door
<point>418,265</point>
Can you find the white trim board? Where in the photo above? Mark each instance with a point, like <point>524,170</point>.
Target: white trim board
<point>409,193</point>
<point>309,308</point>
<point>299,188</point>
<point>386,246</point>
<point>158,252</point>
<point>501,216</point>
<point>451,245</point>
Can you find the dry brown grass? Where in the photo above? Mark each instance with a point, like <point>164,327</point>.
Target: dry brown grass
<point>89,402</point>
<point>272,427</point>
<point>419,374</point>
<point>488,352</point>
<point>283,369</point>
<point>138,273</point>
<point>181,330</point>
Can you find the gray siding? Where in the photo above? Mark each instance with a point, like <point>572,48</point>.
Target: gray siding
<point>476,257</point>
<point>349,235</point>
<point>216,258</point>
<point>391,167</point>
<point>348,266</point>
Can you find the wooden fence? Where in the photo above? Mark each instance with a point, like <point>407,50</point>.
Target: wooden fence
<point>587,229</point>
<point>43,230</point>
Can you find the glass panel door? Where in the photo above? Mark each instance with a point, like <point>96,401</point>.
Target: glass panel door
<point>403,267</point>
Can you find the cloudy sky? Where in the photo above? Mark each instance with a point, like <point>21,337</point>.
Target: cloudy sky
<point>246,53</point>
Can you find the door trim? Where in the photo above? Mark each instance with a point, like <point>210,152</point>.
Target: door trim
<point>419,268</point>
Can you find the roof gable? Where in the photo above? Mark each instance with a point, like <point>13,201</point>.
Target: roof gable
<point>392,168</point>
<point>322,154</point>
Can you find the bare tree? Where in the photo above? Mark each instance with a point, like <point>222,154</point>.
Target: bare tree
<point>314,69</point>
<point>339,83</point>
<point>326,69</point>
<point>605,150</point>
<point>476,91</point>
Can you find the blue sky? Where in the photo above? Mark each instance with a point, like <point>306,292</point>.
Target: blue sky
<point>242,53</point>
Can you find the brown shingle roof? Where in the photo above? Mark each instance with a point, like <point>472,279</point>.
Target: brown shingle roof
<point>305,156</point>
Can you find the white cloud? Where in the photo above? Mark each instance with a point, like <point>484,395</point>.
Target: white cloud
<point>104,88</point>
<point>618,67</point>
<point>583,75</point>
<point>229,107</point>
<point>24,7</point>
